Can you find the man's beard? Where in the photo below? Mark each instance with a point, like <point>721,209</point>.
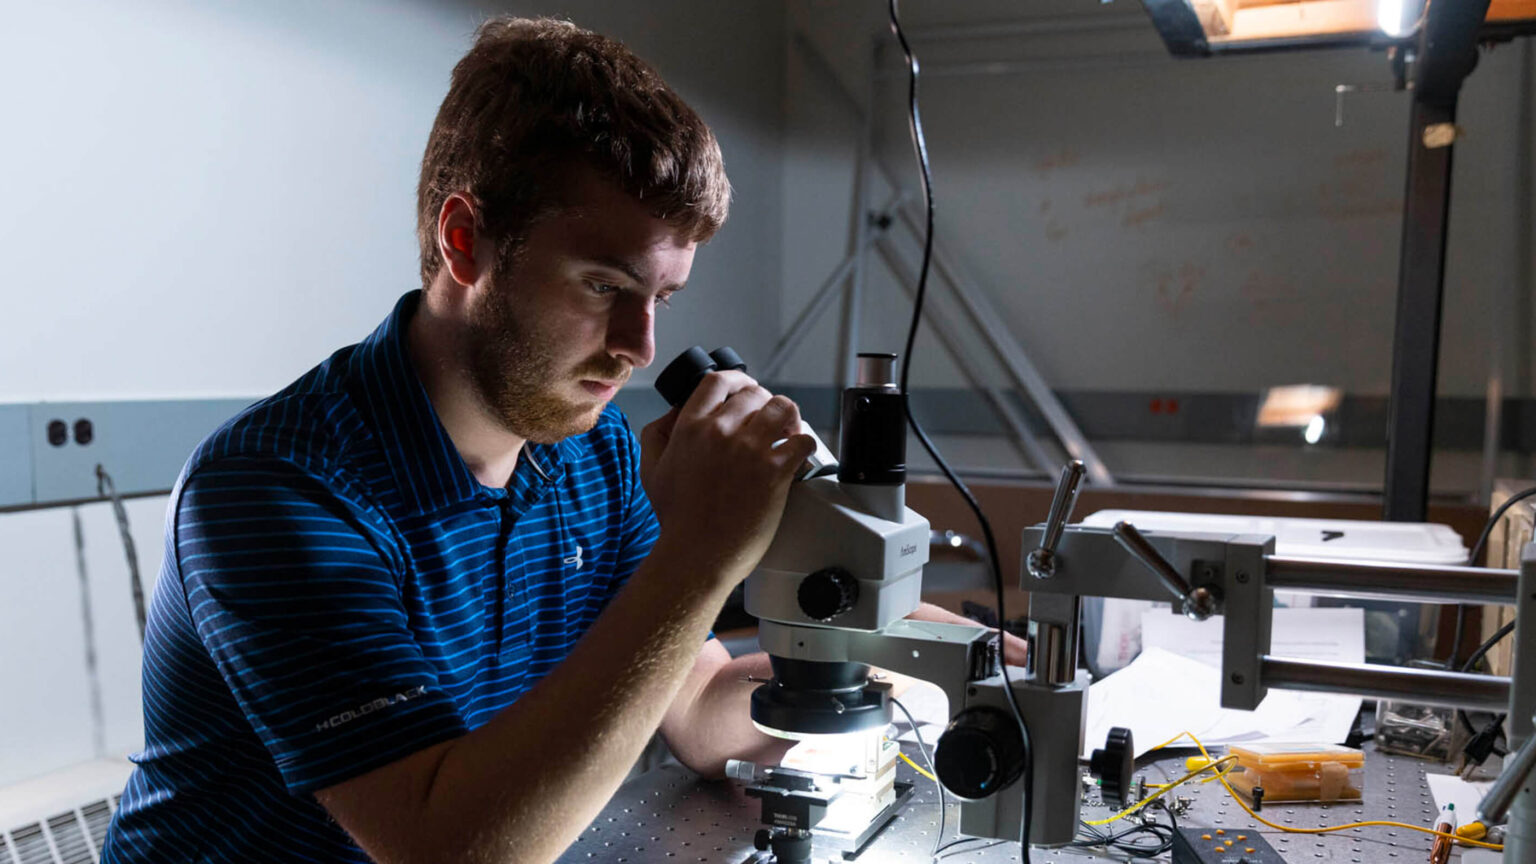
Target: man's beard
<point>512,364</point>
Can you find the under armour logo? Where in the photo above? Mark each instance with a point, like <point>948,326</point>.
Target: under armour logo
<point>575,559</point>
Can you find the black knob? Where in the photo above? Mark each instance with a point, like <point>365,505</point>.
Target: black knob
<point>1113,766</point>
<point>762,838</point>
<point>980,752</point>
<point>828,593</point>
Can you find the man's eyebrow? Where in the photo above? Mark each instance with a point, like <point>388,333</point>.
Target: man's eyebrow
<point>627,269</point>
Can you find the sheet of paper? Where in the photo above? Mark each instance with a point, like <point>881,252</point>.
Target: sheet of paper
<point>1450,789</point>
<point>1157,697</point>
<point>1336,635</point>
<point>1285,716</point>
<point>1174,686</point>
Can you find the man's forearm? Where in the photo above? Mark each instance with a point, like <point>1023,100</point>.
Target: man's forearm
<point>523,786</point>
<point>717,725</point>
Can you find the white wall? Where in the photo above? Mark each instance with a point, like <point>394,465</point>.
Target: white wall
<point>204,200</point>
<point>54,710</point>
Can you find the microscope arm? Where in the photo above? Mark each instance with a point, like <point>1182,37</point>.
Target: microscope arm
<point>950,656</point>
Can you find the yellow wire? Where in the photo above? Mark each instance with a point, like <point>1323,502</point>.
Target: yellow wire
<point>1150,798</point>
<point>1381,824</point>
<point>916,767</point>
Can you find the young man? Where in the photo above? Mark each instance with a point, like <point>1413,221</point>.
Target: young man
<point>417,606</point>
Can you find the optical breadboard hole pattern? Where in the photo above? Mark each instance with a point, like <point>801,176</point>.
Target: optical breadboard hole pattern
<point>706,815</point>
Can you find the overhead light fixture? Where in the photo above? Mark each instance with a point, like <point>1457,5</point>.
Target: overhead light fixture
<point>1314,431</point>
<point>1299,406</point>
<point>1389,17</point>
<point>1200,28</point>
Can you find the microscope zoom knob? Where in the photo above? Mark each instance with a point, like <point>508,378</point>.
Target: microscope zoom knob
<point>980,752</point>
<point>828,593</point>
<point>1114,765</point>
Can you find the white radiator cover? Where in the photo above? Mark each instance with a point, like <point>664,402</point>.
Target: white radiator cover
<point>61,818</point>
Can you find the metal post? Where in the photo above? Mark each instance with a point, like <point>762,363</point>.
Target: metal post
<point>1520,837</point>
<point>1447,53</point>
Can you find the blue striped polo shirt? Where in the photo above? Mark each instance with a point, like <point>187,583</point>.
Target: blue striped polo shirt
<point>339,591</point>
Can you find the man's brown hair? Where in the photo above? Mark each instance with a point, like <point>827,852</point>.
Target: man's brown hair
<point>536,98</point>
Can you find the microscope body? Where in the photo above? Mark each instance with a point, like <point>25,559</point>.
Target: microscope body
<point>843,556</point>
<point>832,594</point>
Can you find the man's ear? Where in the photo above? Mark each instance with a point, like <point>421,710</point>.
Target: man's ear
<point>457,241</point>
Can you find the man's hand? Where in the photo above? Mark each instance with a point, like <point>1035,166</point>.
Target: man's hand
<point>713,474</point>
<point>1015,650</point>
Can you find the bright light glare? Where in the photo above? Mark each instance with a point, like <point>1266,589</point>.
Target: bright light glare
<point>1389,17</point>
<point>1314,432</point>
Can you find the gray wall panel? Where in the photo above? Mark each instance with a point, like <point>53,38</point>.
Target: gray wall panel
<point>15,456</point>
<point>142,445</point>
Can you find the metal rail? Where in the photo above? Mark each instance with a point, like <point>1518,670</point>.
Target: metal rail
<point>1425,584</point>
<point>1421,686</point>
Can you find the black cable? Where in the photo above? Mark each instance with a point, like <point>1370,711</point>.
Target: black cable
<point>1477,550</point>
<point>942,850</point>
<point>1122,841</point>
<point>1483,649</point>
<point>927,757</point>
<point>105,488</point>
<point>1482,539</point>
<point>1461,611</point>
<point>921,145</point>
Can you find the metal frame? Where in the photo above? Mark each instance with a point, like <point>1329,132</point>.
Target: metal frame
<point>1005,348</point>
<point>1447,54</point>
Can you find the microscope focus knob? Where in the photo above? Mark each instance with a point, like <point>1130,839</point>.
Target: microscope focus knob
<point>1114,765</point>
<point>828,593</point>
<point>980,752</point>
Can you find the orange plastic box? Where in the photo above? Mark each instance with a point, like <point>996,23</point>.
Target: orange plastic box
<point>1299,772</point>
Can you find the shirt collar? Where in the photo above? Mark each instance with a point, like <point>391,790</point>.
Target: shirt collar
<point>427,468</point>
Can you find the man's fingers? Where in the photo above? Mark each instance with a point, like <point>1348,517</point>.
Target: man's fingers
<point>715,388</point>
<point>778,418</point>
<point>741,406</point>
<point>659,431</point>
<point>1015,650</point>
<point>653,441</point>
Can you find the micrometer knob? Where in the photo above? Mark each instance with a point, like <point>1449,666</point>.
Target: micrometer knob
<point>980,752</point>
<point>677,382</point>
<point>828,593</point>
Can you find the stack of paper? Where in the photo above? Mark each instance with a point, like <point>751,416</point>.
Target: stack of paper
<point>1175,685</point>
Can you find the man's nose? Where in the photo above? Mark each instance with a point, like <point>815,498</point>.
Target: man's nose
<point>632,333</point>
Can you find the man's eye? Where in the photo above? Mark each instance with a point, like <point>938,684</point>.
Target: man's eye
<point>664,300</point>
<point>602,287</point>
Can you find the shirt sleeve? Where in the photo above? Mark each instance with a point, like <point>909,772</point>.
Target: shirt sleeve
<point>296,595</point>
